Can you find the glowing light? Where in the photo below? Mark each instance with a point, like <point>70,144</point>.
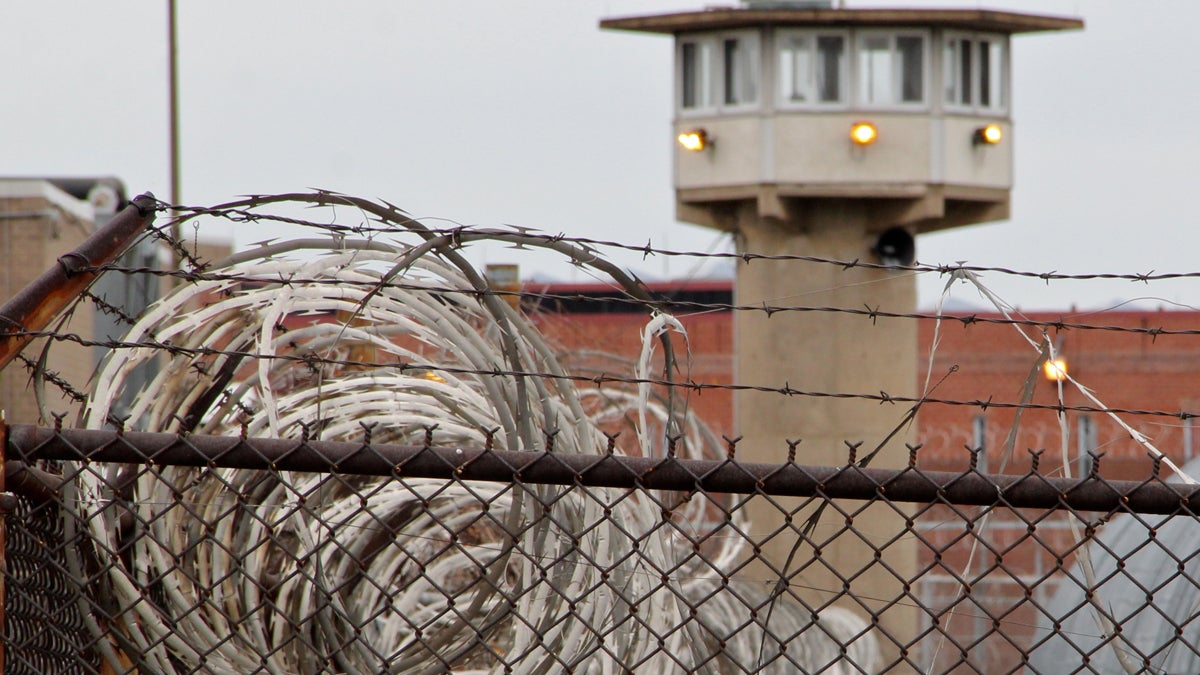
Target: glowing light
<point>863,133</point>
<point>694,139</point>
<point>1055,370</point>
<point>989,135</point>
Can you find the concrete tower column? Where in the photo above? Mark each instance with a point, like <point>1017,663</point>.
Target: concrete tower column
<point>824,351</point>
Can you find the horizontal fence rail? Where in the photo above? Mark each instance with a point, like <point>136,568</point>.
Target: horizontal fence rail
<point>149,552</point>
<point>1031,490</point>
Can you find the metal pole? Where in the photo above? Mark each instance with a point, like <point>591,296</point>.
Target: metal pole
<point>173,97</point>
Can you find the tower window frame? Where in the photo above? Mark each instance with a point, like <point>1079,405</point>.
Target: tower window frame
<point>718,72</point>
<point>975,72</point>
<point>884,73</point>
<point>804,76</point>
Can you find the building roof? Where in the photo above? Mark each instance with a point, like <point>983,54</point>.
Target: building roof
<point>727,18</point>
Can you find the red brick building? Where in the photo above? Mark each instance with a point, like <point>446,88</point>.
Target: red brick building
<point>1131,360</point>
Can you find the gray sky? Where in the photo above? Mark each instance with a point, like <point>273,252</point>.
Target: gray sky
<point>524,112</point>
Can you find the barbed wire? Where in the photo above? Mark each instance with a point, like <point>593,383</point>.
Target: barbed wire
<point>243,214</point>
<point>38,370</point>
<point>664,301</point>
<point>312,360</point>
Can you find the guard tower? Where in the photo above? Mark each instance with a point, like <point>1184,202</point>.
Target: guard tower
<point>838,134</point>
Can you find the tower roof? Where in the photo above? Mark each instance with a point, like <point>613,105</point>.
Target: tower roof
<point>731,18</point>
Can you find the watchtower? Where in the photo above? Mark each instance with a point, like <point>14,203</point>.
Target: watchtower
<point>838,134</point>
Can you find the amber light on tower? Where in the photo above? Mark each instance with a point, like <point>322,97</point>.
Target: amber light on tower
<point>693,139</point>
<point>1055,370</point>
<point>989,135</point>
<point>863,133</point>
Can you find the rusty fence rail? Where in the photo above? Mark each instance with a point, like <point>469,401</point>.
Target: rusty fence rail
<point>852,481</point>
<point>140,552</point>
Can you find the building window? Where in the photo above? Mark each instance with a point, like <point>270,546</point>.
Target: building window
<point>696,74</point>
<point>740,68</point>
<point>974,75</point>
<point>716,69</point>
<point>891,69</point>
<point>811,69</point>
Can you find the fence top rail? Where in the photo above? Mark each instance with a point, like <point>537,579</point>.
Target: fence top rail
<point>28,443</point>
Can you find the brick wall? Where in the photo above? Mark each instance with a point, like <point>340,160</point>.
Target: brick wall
<point>1124,369</point>
<point>34,232</point>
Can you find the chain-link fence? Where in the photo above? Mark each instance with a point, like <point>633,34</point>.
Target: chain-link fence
<point>355,453</point>
<point>135,552</point>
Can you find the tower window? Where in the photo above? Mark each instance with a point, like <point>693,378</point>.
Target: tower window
<point>974,72</point>
<point>741,71</point>
<point>718,71</point>
<point>811,69</point>
<point>696,68</point>
<point>891,69</point>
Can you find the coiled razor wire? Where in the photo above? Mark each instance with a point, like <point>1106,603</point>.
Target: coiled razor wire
<point>221,570</point>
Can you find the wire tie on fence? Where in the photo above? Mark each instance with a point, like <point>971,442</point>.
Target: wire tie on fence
<point>12,326</point>
<point>429,435</point>
<point>731,446</point>
<point>58,421</point>
<point>671,441</point>
<point>1035,457</point>
<point>791,456</point>
<point>1095,469</point>
<point>612,442</point>
<point>912,454</point>
<point>367,428</point>
<point>853,451</point>
<point>550,435</point>
<point>1155,463</point>
<point>974,456</point>
<point>73,263</point>
<point>489,438</point>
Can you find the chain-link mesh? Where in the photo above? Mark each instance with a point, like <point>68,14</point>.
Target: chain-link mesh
<point>482,486</point>
<point>138,566</point>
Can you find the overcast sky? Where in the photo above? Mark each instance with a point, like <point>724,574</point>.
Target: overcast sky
<point>489,112</point>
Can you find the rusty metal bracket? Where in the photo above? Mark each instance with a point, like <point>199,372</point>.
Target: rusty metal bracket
<point>35,306</point>
<point>3,541</point>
